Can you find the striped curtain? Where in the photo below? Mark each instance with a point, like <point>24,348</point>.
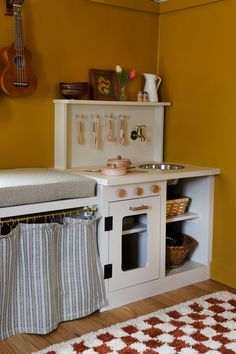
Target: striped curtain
<point>49,273</point>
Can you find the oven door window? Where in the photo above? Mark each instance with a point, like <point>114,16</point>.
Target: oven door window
<point>134,242</point>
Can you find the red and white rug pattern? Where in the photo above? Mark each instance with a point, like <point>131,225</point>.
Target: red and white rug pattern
<point>203,325</point>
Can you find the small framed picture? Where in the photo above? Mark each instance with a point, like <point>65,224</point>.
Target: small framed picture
<point>103,83</point>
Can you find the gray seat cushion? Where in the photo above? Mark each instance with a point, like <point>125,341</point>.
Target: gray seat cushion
<point>35,185</point>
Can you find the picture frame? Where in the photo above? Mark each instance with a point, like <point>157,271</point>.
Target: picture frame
<point>103,84</point>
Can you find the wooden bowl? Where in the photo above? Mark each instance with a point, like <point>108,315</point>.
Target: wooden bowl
<point>75,94</point>
<point>75,90</point>
<point>81,85</point>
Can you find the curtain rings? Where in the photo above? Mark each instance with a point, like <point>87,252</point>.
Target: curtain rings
<point>51,218</point>
<point>87,211</point>
<point>9,224</point>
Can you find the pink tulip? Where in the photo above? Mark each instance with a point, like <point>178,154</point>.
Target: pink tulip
<point>132,74</point>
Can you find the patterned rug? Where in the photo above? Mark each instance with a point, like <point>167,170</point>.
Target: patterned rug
<point>203,325</point>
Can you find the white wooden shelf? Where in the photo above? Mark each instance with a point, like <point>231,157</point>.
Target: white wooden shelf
<point>134,228</point>
<point>112,103</point>
<point>187,266</point>
<point>185,216</point>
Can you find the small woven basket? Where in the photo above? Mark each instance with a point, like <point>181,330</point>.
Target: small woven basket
<point>176,206</point>
<point>176,255</point>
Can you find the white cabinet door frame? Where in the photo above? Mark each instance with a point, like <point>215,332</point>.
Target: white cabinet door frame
<point>148,271</point>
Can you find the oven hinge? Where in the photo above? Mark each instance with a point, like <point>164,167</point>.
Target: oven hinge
<point>107,271</point>
<point>108,223</point>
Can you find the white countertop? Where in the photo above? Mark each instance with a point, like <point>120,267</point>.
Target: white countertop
<point>140,175</point>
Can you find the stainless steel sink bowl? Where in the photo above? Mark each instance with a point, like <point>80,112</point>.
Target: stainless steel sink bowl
<point>160,166</point>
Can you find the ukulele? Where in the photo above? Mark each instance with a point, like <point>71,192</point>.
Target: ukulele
<point>16,77</point>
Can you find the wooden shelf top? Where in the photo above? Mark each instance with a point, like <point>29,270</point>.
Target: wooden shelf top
<point>111,103</point>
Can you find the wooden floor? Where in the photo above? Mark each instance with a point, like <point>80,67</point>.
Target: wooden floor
<point>26,344</point>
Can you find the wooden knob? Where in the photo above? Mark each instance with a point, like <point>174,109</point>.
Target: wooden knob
<point>155,188</point>
<point>139,191</point>
<point>121,193</point>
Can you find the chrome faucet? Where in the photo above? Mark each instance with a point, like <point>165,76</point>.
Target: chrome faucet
<point>138,133</point>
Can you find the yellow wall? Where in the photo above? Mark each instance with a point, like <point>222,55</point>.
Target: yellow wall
<point>67,38</point>
<point>197,60</point>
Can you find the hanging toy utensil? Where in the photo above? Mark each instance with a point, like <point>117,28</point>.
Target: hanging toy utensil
<point>110,130</point>
<point>97,132</point>
<point>80,129</point>
<point>122,137</point>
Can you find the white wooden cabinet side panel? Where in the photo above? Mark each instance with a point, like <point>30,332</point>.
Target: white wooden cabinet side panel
<point>163,231</point>
<point>201,192</point>
<point>60,136</point>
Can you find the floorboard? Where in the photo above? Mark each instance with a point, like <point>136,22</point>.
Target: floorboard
<point>28,343</point>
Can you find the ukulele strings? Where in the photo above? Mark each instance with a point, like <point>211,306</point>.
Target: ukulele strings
<point>22,49</point>
<point>20,32</point>
<point>20,64</point>
<point>16,44</point>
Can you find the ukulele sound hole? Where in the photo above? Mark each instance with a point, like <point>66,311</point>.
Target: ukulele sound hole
<point>19,61</point>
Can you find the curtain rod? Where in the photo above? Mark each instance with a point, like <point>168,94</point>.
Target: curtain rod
<point>90,210</point>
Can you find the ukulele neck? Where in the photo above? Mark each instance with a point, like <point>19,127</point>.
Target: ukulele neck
<point>19,38</point>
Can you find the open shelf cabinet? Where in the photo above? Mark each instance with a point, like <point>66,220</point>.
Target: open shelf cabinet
<point>195,222</point>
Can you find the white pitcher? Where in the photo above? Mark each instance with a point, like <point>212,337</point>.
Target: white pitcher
<point>151,86</point>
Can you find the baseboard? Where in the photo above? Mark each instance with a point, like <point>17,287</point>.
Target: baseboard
<point>223,273</point>
<point>155,287</point>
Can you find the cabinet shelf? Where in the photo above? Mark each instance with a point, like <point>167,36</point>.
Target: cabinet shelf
<point>185,216</point>
<point>187,266</point>
<point>134,228</point>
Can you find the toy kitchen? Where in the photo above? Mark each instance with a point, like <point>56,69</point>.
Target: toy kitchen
<point>134,192</point>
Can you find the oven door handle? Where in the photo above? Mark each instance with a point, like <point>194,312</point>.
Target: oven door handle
<point>142,207</point>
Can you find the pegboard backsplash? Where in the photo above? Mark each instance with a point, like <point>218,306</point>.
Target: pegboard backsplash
<point>75,122</point>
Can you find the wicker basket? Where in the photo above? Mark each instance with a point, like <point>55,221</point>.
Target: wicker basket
<point>176,255</point>
<point>176,206</point>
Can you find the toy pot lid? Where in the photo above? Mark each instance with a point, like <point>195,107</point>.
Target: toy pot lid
<point>119,161</point>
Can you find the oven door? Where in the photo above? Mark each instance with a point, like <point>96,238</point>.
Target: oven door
<point>134,242</point>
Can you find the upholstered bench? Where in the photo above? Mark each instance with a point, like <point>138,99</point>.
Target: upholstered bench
<point>36,185</point>
<point>50,270</point>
